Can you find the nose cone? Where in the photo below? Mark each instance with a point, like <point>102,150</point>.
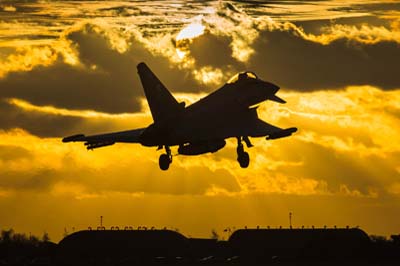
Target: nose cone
<point>270,87</point>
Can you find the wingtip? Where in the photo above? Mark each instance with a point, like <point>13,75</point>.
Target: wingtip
<point>141,65</point>
<point>283,133</point>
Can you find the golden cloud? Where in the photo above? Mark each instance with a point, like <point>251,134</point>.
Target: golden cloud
<point>297,166</point>
<point>350,129</point>
<point>241,29</point>
<point>76,113</point>
<point>28,57</point>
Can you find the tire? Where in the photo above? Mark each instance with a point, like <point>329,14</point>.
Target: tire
<point>244,160</point>
<point>164,162</point>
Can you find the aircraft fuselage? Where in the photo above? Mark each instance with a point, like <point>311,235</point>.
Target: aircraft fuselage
<point>229,107</point>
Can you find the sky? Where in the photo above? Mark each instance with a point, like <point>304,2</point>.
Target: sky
<point>69,67</point>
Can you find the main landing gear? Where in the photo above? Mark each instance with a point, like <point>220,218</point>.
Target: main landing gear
<point>165,159</point>
<point>243,157</point>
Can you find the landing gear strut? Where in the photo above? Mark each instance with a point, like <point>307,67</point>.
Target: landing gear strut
<point>165,159</point>
<point>243,157</point>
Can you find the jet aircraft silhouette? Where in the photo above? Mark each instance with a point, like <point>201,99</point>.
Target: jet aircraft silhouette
<point>203,126</point>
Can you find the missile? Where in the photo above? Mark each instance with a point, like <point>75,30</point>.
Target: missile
<point>95,145</point>
<point>77,137</point>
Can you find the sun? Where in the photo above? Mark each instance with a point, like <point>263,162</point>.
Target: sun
<point>185,37</point>
<point>191,31</point>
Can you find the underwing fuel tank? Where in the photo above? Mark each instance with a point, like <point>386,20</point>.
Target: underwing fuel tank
<point>201,147</point>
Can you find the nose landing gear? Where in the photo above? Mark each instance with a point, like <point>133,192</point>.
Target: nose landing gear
<point>165,159</point>
<point>243,157</point>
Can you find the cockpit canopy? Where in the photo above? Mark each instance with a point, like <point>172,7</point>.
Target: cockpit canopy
<point>242,75</point>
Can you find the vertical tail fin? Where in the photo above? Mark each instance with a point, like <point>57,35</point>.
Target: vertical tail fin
<point>161,102</point>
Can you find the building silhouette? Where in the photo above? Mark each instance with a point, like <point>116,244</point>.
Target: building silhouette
<point>282,246</point>
<point>262,244</point>
<point>245,246</point>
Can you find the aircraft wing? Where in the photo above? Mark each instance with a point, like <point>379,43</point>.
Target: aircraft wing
<point>101,140</point>
<point>261,128</point>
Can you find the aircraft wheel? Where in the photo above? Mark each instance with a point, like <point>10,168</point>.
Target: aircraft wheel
<point>244,159</point>
<point>164,161</point>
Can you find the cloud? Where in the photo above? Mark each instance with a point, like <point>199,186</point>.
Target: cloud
<point>377,8</point>
<point>48,121</point>
<point>345,143</point>
<point>37,180</point>
<point>340,149</point>
<point>78,87</point>
<point>337,55</point>
<point>207,44</point>
<point>338,169</point>
<point>319,26</point>
<point>25,165</point>
<point>9,8</point>
<point>300,64</point>
<point>354,116</point>
<point>13,152</point>
<point>37,123</point>
<point>90,62</point>
<point>106,68</point>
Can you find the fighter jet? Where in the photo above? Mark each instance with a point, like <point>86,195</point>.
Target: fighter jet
<point>202,127</point>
